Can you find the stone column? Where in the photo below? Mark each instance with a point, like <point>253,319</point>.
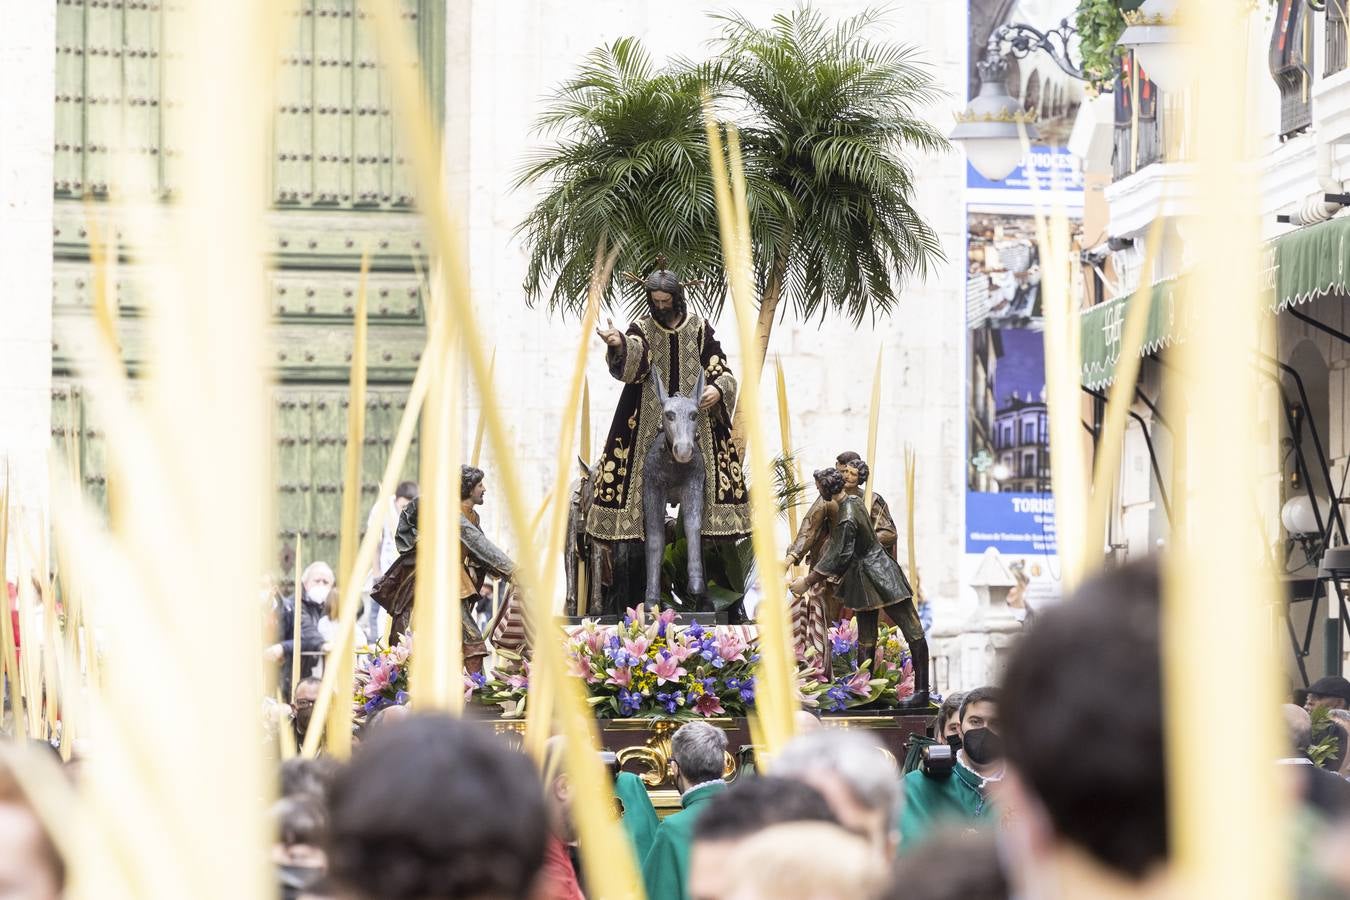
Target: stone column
<point>27,117</point>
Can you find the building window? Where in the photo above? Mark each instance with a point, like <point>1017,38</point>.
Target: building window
<point>1336,24</point>
<point>1028,432</point>
<point>1291,51</point>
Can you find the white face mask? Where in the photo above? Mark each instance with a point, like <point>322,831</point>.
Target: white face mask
<point>318,593</point>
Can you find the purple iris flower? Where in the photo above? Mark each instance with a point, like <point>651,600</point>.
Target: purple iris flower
<point>629,702</point>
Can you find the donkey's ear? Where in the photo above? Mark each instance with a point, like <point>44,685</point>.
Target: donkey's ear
<point>699,385</point>
<point>585,469</point>
<point>659,385</point>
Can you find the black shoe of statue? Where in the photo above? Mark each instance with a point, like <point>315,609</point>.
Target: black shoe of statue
<point>920,698</point>
<point>916,700</point>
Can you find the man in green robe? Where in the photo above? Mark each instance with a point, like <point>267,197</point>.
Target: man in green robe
<point>867,581</point>
<point>639,817</point>
<point>698,761</point>
<point>963,797</point>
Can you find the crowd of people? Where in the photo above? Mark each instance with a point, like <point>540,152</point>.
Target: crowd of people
<point>1052,784</point>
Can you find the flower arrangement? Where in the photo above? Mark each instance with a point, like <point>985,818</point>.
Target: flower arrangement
<point>648,667</point>
<point>657,667</point>
<point>884,679</point>
<point>382,678</point>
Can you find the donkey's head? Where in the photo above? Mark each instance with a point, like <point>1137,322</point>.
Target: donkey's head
<point>679,417</point>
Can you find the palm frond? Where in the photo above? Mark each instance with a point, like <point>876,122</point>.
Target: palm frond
<point>788,490</point>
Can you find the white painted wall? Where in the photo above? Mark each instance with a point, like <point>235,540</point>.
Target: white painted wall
<point>27,115</point>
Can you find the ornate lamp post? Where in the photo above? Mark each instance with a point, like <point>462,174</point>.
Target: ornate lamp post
<point>991,127</point>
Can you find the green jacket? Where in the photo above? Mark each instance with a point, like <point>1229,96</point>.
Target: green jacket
<point>869,579</point>
<point>666,868</point>
<point>639,817</point>
<point>931,803</point>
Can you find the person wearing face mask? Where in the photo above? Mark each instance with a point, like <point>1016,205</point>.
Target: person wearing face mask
<point>299,825</point>
<point>963,796</point>
<point>316,585</point>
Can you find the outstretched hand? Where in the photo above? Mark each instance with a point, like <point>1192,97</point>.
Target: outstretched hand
<point>710,397</point>
<point>611,335</point>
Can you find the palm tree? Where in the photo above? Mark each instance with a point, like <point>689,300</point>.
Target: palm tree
<point>826,116</point>
<point>833,114</point>
<point>628,164</point>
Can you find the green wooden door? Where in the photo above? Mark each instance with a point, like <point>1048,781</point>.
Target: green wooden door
<point>339,187</point>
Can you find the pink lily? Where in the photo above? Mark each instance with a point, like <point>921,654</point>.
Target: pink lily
<point>860,683</point>
<point>709,705</point>
<point>730,647</point>
<point>517,681</point>
<point>402,650</point>
<point>382,675</point>
<point>682,651</point>
<point>845,630</point>
<point>581,668</point>
<point>593,637</point>
<point>621,677</point>
<point>666,668</point>
<point>637,646</point>
<point>905,688</point>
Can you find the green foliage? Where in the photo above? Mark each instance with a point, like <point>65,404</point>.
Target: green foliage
<point>728,572</point>
<point>788,490</point>
<point>825,115</point>
<point>832,114</point>
<point>1100,25</point>
<point>1325,743</point>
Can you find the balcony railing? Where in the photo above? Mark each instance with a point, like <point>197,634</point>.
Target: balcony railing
<point>1125,160</point>
<point>1336,39</point>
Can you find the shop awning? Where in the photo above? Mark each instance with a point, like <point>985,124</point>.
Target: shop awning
<point>1103,324</point>
<point>1295,268</point>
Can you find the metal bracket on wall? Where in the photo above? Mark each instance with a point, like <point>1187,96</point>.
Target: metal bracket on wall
<point>1152,453</point>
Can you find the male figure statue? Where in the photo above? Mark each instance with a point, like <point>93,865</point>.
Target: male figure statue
<point>867,581</point>
<point>479,558</point>
<point>681,346</point>
<point>813,614</point>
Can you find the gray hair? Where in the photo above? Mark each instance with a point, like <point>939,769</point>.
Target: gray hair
<point>314,568</point>
<point>857,758</point>
<point>1298,726</point>
<point>699,749</point>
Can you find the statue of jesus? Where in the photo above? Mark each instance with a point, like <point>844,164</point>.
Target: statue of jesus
<point>679,345</point>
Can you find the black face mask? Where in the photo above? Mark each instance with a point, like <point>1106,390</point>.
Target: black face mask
<point>302,717</point>
<point>982,746</point>
<point>298,878</point>
<point>954,741</point>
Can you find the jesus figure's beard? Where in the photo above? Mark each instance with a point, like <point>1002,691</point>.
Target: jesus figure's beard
<point>671,317</point>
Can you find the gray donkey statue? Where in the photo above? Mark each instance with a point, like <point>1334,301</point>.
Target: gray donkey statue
<point>674,473</point>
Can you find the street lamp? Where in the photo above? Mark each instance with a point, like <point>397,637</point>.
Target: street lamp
<point>1158,43</point>
<point>992,127</point>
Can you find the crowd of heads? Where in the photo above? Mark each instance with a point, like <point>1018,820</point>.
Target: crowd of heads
<point>1053,783</point>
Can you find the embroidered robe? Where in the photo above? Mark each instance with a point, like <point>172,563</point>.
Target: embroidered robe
<point>678,354</point>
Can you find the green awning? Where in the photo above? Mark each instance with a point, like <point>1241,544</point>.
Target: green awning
<point>1309,263</point>
<point>1103,324</point>
<point>1295,268</point>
